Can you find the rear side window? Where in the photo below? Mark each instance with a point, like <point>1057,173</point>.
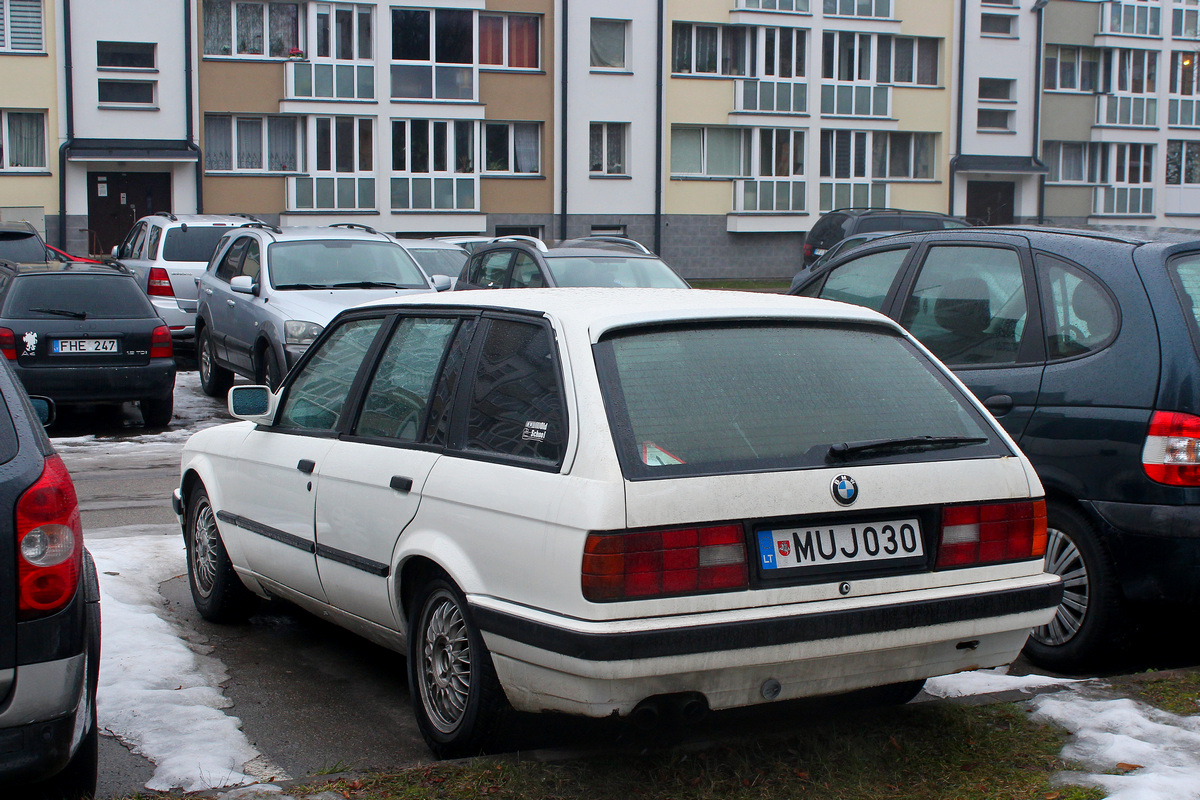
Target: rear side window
<point>525,274</point>
<point>898,223</point>
<point>491,269</point>
<point>400,390</point>
<point>717,399</point>
<point>440,261</point>
<point>192,243</point>
<point>1081,317</point>
<point>230,262</point>
<point>1185,271</point>
<point>21,247</point>
<point>65,296</point>
<point>316,397</point>
<point>516,396</point>
<point>865,281</point>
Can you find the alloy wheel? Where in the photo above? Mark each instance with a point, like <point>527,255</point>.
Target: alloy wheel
<point>203,544</point>
<point>445,669</point>
<point>1064,559</point>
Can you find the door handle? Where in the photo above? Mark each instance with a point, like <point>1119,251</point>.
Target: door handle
<point>999,404</point>
<point>306,466</point>
<point>231,303</point>
<point>401,484</point>
<point>208,292</point>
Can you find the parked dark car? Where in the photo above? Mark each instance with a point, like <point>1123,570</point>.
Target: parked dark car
<point>49,615</point>
<point>836,225</point>
<point>84,334</point>
<point>1086,347</point>
<point>522,262</point>
<point>21,243</point>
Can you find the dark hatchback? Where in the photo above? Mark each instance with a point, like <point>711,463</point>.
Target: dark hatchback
<point>1086,348</point>
<point>49,616</point>
<point>85,333</point>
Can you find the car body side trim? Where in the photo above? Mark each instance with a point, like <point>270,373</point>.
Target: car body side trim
<point>267,531</point>
<point>351,560</point>
<point>682,640</point>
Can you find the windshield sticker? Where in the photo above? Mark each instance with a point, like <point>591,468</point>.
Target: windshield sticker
<point>535,431</point>
<point>655,456</point>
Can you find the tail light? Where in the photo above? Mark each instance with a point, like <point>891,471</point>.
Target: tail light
<point>1171,454</point>
<point>991,533</point>
<point>643,564</point>
<point>160,343</point>
<point>808,250</point>
<point>8,344</point>
<point>49,543</point>
<point>159,284</point>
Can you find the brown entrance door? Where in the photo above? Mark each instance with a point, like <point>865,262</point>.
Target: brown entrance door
<point>991,202</point>
<point>116,200</point>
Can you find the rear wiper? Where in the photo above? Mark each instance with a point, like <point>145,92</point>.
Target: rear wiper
<point>62,312</point>
<point>368,285</point>
<point>846,450</point>
<point>304,286</point>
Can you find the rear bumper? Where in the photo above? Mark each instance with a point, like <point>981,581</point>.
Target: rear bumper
<point>182,322</point>
<point>599,668</point>
<point>100,384</point>
<point>40,723</point>
<point>1156,549</point>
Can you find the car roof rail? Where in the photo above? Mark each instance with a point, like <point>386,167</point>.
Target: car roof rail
<point>166,214</point>
<point>243,215</point>
<point>355,225</point>
<point>624,241</point>
<point>260,224</point>
<point>516,237</point>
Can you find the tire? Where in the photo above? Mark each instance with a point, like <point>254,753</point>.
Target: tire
<point>266,368</point>
<point>157,411</point>
<point>455,693</point>
<point>215,380</point>
<point>1089,624</point>
<point>217,591</point>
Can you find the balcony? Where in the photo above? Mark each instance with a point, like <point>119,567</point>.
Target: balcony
<point>1131,19</point>
<point>771,97</point>
<point>852,193</point>
<point>851,100</point>
<point>1183,112</point>
<point>331,194</point>
<point>1122,201</point>
<point>319,80</point>
<point>1127,110</point>
<point>428,193</point>
<point>779,195</point>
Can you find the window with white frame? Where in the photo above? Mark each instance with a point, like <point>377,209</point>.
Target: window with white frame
<point>608,43</point>
<point>512,147</point>
<point>903,156</point>
<point>433,53</point>
<point>1127,174</point>
<point>993,119</point>
<point>1185,19</point>
<point>997,25</point>
<point>1183,163</point>
<point>883,59</point>
<point>847,174</point>
<point>1071,69</point>
<point>126,93</point>
<point>785,52</point>
<point>341,161</point>
<point>847,56</point>
<point>21,26</point>
<point>698,49</point>
<point>710,152</point>
<point>23,146</point>
<point>607,148</point>
<point>343,32</point>
<point>1129,71</point>
<point>1073,162</point>
<point>512,41</point>
<point>250,29</point>
<point>132,56</point>
<point>798,6</point>
<point>996,88</point>
<point>780,152</point>
<point>251,143</point>
<point>1132,17</point>
<point>433,165</point>
<point>858,8</point>
<point>1185,78</point>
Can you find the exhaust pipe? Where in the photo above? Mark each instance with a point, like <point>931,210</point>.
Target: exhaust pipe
<point>693,709</point>
<point>647,715</point>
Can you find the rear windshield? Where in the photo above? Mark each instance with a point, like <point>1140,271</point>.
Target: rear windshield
<point>66,296</point>
<point>613,271</point>
<point>439,261</point>
<point>343,264</point>
<point>193,243</point>
<point>898,223</point>
<point>21,247</point>
<point>1185,270</point>
<point>722,399</point>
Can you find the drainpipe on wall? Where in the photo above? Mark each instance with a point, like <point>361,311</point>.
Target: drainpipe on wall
<point>658,135</point>
<point>69,102</point>
<point>187,94</point>
<point>1039,8</point>
<point>962,69</point>
<point>562,156</point>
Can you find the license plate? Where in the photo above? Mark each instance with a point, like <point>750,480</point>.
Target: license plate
<point>830,545</point>
<point>78,346</point>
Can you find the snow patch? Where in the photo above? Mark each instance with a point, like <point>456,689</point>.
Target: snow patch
<point>989,681</point>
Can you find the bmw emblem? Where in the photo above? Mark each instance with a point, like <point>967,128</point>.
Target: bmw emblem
<point>844,489</point>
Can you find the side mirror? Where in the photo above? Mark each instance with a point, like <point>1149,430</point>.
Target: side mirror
<point>44,408</point>
<point>115,252</point>
<point>442,283</point>
<point>255,404</point>
<point>244,284</point>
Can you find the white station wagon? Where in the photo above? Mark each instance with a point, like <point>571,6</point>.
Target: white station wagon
<point>624,501</point>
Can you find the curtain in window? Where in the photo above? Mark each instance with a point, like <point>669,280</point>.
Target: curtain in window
<point>281,144</point>
<point>26,140</point>
<point>899,165</point>
<point>1072,161</point>
<point>927,58</point>
<point>904,59</point>
<point>523,41</point>
<point>525,146</point>
<point>681,48</point>
<point>1191,162</point>
<point>616,149</point>
<point>923,155</point>
<point>250,29</point>
<point>596,148</point>
<point>608,44</point>
<point>724,152</point>
<point>283,28</point>
<point>706,49</point>
<point>249,143</point>
<point>491,40</point>
<point>218,27</point>
<point>686,151</point>
<point>218,142</point>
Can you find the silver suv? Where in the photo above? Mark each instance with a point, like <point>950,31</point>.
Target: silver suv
<point>167,253</point>
<point>269,292</point>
